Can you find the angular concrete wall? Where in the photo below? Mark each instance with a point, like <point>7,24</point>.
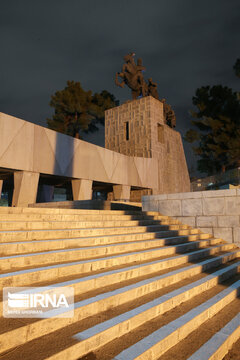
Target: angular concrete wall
<point>216,212</point>
<point>28,147</point>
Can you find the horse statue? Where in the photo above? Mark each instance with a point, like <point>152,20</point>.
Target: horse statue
<point>132,76</point>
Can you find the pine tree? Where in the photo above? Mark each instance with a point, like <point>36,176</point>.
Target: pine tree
<point>77,111</point>
<point>218,128</point>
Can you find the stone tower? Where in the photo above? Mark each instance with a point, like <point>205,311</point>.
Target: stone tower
<point>137,128</point>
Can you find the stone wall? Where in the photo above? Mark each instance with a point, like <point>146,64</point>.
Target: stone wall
<point>216,212</point>
<point>137,128</point>
<point>135,195</point>
<point>140,115</point>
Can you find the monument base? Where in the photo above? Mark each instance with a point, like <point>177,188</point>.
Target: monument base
<point>137,128</point>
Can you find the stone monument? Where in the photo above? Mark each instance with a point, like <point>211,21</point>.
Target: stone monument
<point>143,153</point>
<point>132,75</point>
<point>144,127</point>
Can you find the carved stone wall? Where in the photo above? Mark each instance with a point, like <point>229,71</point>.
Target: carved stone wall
<point>136,119</point>
<point>137,128</point>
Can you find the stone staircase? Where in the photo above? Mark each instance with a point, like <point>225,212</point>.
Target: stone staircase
<point>146,286</point>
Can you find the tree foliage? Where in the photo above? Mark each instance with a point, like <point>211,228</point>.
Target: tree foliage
<point>217,120</point>
<point>77,111</point>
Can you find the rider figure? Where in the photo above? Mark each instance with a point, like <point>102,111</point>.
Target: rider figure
<point>152,89</point>
<point>140,69</point>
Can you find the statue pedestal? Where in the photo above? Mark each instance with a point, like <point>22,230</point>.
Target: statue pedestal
<point>137,128</point>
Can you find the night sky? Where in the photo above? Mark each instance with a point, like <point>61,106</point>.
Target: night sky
<point>184,44</point>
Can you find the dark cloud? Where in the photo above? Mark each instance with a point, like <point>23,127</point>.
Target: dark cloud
<point>184,45</point>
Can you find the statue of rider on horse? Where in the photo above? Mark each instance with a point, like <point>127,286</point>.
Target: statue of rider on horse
<point>132,76</point>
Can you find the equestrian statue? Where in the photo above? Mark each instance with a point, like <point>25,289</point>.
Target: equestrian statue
<point>132,76</point>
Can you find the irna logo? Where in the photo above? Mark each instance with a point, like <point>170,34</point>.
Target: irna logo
<point>17,300</point>
<point>43,302</point>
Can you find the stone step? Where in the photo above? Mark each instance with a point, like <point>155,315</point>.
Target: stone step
<point>80,217</point>
<point>105,332</point>
<point>44,245</point>
<point>66,255</point>
<point>28,210</point>
<point>58,225</point>
<point>108,278</point>
<point>160,341</point>
<point>126,268</point>
<point>105,301</point>
<point>219,345</point>
<point>133,272</point>
<point>172,230</point>
<point>47,274</point>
